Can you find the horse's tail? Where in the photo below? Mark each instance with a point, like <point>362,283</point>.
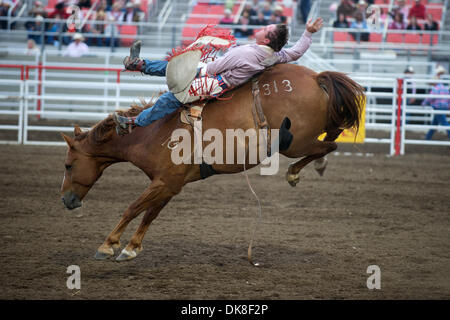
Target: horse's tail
<point>345,99</point>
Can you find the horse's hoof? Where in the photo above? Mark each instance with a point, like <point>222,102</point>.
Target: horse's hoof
<point>320,171</point>
<point>126,255</point>
<point>293,179</point>
<point>102,255</point>
<point>320,165</point>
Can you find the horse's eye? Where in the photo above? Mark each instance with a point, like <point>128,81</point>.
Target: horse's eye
<point>68,167</point>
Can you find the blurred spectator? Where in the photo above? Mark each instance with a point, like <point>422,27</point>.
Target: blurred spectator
<point>260,20</point>
<point>341,22</point>
<point>303,7</point>
<point>97,29</point>
<point>227,19</point>
<point>4,7</point>
<point>278,12</point>
<point>409,73</point>
<point>418,10</point>
<point>116,14</point>
<point>359,23</point>
<point>84,4</point>
<point>438,103</point>
<point>35,27</point>
<point>401,8</point>
<point>243,31</point>
<point>38,10</point>
<point>398,23</point>
<point>346,7</point>
<point>413,25</point>
<point>31,48</point>
<point>111,32</point>
<point>130,14</point>
<point>266,10</point>
<point>430,24</point>
<point>60,9</point>
<point>56,26</point>
<point>77,48</point>
<point>361,7</point>
<point>251,10</point>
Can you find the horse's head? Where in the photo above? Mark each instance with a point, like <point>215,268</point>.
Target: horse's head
<point>82,170</point>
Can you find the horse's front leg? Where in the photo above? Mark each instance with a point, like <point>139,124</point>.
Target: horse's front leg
<point>318,151</point>
<point>157,192</point>
<point>135,244</point>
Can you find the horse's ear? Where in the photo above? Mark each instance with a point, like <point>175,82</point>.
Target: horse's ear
<point>68,140</point>
<point>77,130</point>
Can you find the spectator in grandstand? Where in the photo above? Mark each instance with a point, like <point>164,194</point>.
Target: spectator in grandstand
<point>267,10</point>
<point>61,10</point>
<point>37,10</point>
<point>341,22</point>
<point>56,27</point>
<point>438,103</point>
<point>84,4</point>
<point>359,23</point>
<point>116,13</point>
<point>413,25</point>
<point>259,20</point>
<point>77,48</point>
<point>400,8</point>
<point>346,7</point>
<point>111,32</point>
<point>430,24</point>
<point>35,28</point>
<point>279,17</point>
<point>4,7</point>
<point>243,31</point>
<point>417,10</point>
<point>31,48</point>
<point>98,29</point>
<point>398,23</point>
<point>130,14</point>
<point>237,66</point>
<point>252,12</point>
<point>303,7</point>
<point>227,19</point>
<point>361,7</point>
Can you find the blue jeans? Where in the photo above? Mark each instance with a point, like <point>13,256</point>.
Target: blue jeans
<point>166,103</point>
<point>438,119</point>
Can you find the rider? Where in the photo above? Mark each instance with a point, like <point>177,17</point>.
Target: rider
<point>236,67</point>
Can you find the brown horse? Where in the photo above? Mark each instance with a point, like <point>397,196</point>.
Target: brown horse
<point>315,103</point>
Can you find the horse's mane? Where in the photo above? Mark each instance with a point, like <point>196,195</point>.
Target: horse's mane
<point>99,133</point>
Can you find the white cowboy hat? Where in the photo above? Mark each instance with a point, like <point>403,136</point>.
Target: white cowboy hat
<point>78,36</point>
<point>409,69</point>
<point>440,70</point>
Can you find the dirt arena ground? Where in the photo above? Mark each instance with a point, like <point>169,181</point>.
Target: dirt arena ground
<point>315,241</point>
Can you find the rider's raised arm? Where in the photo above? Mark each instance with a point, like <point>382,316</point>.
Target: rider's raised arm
<point>296,51</point>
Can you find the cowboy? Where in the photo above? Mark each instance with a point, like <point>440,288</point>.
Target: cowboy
<point>235,67</point>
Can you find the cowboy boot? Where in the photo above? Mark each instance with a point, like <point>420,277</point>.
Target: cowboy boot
<point>124,125</point>
<point>133,62</point>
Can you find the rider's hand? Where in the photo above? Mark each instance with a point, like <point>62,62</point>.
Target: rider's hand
<point>314,26</point>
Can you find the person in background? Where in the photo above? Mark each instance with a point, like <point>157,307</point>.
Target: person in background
<point>98,28</point>
<point>84,4</point>
<point>346,7</point>
<point>398,23</point>
<point>34,28</point>
<point>438,103</point>
<point>77,48</point>
<point>362,7</point>
<point>130,14</point>
<point>409,74</point>
<point>37,10</point>
<point>111,32</point>
<point>227,19</point>
<point>259,20</point>
<point>243,31</point>
<point>278,12</point>
<point>60,10</point>
<point>359,23</point>
<point>31,48</point>
<point>413,25</point>
<point>304,6</point>
<point>266,10</point>
<point>252,12</point>
<point>430,24</point>
<point>341,22</point>
<point>402,8</point>
<point>418,10</point>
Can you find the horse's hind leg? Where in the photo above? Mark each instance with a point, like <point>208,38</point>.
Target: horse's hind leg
<point>318,151</point>
<point>157,192</point>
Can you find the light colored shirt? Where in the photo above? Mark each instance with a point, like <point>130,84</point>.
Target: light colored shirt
<point>240,63</point>
<point>75,50</point>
